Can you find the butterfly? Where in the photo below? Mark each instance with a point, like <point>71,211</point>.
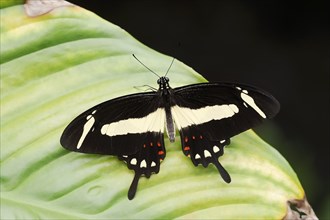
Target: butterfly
<point>132,127</point>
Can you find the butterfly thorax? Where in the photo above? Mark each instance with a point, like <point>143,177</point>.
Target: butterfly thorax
<point>165,92</point>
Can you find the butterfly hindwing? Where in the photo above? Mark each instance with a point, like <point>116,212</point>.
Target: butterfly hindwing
<point>202,150</point>
<point>147,160</point>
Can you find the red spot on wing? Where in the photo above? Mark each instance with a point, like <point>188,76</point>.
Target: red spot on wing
<point>200,136</point>
<point>193,137</point>
<point>186,139</point>
<point>158,144</point>
<point>160,152</point>
<point>144,145</point>
<point>151,144</point>
<point>186,148</point>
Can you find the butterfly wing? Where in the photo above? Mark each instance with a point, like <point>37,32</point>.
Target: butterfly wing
<point>208,114</point>
<point>103,129</point>
<point>130,127</point>
<point>147,160</point>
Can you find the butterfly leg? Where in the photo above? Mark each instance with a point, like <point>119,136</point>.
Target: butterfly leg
<point>203,151</point>
<point>146,161</point>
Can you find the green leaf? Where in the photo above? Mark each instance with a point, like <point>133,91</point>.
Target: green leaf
<point>8,3</point>
<point>57,64</point>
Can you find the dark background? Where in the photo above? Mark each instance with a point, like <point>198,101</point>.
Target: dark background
<point>282,47</point>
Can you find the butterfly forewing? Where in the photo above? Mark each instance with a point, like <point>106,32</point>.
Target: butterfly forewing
<point>112,127</point>
<point>222,110</point>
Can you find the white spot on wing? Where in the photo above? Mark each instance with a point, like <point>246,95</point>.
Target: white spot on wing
<point>153,164</point>
<point>87,127</point>
<point>216,149</point>
<point>153,122</point>
<point>207,153</point>
<point>250,101</point>
<point>185,117</point>
<point>222,141</point>
<point>143,163</point>
<point>133,161</point>
<point>197,156</point>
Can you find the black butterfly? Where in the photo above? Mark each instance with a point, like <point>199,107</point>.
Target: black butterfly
<point>131,127</point>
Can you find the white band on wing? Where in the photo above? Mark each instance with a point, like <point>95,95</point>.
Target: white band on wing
<point>153,122</point>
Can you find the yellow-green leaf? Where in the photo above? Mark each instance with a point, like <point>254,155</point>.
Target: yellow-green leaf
<point>59,63</point>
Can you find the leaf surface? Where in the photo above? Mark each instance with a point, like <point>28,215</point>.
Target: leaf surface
<point>58,64</point>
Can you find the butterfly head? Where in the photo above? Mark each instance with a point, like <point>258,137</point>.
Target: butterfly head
<point>163,82</point>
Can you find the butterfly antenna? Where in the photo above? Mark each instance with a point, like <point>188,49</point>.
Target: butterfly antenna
<point>169,67</point>
<point>145,66</point>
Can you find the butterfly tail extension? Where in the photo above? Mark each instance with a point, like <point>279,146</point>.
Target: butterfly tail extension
<point>146,161</point>
<point>223,172</point>
<point>132,189</point>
